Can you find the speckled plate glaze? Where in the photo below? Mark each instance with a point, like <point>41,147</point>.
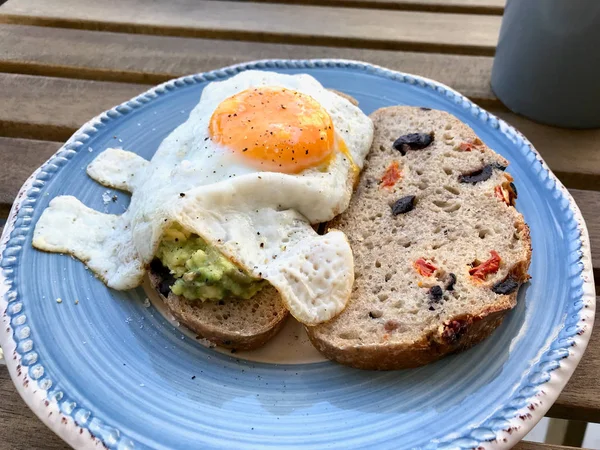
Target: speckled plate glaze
<point>111,371</point>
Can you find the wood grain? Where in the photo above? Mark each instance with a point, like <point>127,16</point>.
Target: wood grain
<point>589,204</point>
<point>20,429</point>
<point>313,25</point>
<point>149,59</point>
<point>580,400</point>
<point>574,155</point>
<point>53,108</point>
<point>523,445</point>
<point>18,159</point>
<point>452,6</point>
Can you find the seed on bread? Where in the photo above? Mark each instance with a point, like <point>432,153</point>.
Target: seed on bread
<point>403,262</point>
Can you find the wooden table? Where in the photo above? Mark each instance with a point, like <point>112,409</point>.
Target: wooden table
<point>65,61</point>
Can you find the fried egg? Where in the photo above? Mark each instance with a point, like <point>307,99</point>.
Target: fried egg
<point>260,158</point>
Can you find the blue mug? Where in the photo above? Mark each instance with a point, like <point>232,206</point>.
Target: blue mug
<point>547,63</point>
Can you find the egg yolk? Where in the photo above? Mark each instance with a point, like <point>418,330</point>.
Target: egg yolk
<point>274,129</point>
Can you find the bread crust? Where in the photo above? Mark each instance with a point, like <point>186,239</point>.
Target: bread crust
<point>455,334</point>
<point>199,317</point>
<point>444,341</point>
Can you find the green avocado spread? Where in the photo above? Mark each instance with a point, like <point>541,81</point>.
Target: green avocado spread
<point>201,271</point>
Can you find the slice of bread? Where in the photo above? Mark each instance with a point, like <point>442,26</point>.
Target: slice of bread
<point>439,249</point>
<point>230,323</point>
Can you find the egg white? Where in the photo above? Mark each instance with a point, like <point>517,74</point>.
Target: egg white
<point>260,220</point>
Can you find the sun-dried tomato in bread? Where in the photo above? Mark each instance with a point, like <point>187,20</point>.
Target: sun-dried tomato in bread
<point>469,146</point>
<point>506,191</point>
<point>481,271</point>
<point>424,268</point>
<point>392,175</point>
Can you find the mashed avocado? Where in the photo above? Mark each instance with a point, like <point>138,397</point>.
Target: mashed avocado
<point>201,271</point>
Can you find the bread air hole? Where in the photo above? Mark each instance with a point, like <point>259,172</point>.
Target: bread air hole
<point>376,314</point>
<point>447,206</point>
<point>348,335</point>
<point>441,203</point>
<point>377,264</point>
<point>483,233</point>
<point>452,190</point>
<point>419,172</point>
<point>383,297</point>
<point>388,276</point>
<point>447,170</point>
<point>422,185</point>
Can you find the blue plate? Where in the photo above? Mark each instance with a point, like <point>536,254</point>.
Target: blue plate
<point>110,369</point>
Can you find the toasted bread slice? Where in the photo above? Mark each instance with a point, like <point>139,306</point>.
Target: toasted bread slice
<point>439,248</point>
<point>231,323</point>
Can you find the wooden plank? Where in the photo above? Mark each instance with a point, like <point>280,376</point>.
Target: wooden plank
<point>574,155</point>
<point>53,108</point>
<point>18,159</point>
<point>589,204</point>
<point>452,6</point>
<point>524,445</point>
<point>314,25</point>
<point>20,429</point>
<point>580,400</point>
<point>149,59</point>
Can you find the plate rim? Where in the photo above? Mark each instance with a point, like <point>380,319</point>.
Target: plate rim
<point>517,422</point>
